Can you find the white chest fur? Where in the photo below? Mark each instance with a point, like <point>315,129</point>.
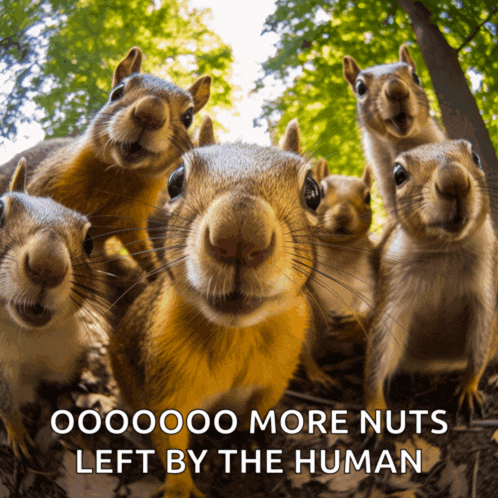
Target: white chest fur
<point>27,356</point>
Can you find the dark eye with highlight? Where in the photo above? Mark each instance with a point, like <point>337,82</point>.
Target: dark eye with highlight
<point>88,244</point>
<point>416,79</point>
<point>476,159</point>
<point>367,198</point>
<point>400,175</point>
<point>361,88</point>
<point>312,193</point>
<point>187,118</point>
<point>176,181</point>
<point>117,93</point>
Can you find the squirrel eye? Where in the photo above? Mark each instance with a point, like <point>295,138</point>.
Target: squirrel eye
<point>367,198</point>
<point>416,79</point>
<point>361,88</point>
<point>187,118</point>
<point>400,175</point>
<point>175,182</point>
<point>88,244</point>
<point>2,211</point>
<point>117,93</point>
<point>312,193</point>
<point>476,159</point>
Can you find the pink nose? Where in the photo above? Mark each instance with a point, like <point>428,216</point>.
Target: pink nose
<point>46,260</point>
<point>150,113</point>
<point>396,90</point>
<point>452,181</point>
<point>237,251</point>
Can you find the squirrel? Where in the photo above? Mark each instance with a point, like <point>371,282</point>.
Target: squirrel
<point>114,172</point>
<point>158,219</point>
<point>393,115</point>
<point>49,287</point>
<point>342,308</point>
<point>436,274</point>
<point>343,285</point>
<point>225,322</point>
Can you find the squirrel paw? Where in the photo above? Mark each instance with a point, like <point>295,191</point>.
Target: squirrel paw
<point>470,402</point>
<point>19,437</point>
<point>316,374</point>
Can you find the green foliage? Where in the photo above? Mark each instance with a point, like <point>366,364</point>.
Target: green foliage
<point>314,37</point>
<point>85,40</point>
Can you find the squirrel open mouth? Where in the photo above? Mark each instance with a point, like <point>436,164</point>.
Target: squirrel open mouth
<point>34,314</point>
<point>401,123</point>
<point>235,303</point>
<point>341,231</point>
<point>132,152</point>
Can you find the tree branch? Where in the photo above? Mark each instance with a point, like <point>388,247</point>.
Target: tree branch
<point>476,30</point>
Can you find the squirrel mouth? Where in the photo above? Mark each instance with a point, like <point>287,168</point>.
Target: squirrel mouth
<point>235,303</point>
<point>132,152</point>
<point>34,314</point>
<point>452,225</point>
<point>401,123</point>
<point>341,232</point>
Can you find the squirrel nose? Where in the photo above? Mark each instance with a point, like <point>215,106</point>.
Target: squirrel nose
<point>245,236</point>
<point>342,214</point>
<point>46,260</point>
<point>238,251</point>
<point>395,89</point>
<point>150,113</point>
<point>452,181</point>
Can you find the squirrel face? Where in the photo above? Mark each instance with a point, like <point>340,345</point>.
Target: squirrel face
<point>40,255</point>
<point>390,98</point>
<point>440,191</point>
<point>242,249</point>
<point>44,268</point>
<point>344,212</point>
<point>144,124</point>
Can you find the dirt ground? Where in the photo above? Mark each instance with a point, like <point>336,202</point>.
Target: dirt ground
<point>463,462</point>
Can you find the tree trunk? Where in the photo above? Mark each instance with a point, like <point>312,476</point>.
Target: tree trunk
<point>459,111</point>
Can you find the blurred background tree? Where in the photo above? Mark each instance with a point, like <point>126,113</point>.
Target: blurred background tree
<point>458,40</point>
<point>61,54</point>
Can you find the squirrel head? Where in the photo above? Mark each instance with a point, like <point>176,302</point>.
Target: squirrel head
<point>144,124</point>
<point>344,212</point>
<point>239,227</point>
<point>441,191</point>
<point>390,98</point>
<point>42,243</point>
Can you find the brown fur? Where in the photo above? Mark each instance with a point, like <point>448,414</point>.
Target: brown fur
<point>342,307</point>
<point>49,286</point>
<point>116,169</point>
<point>393,114</point>
<point>437,263</point>
<point>225,322</point>
<point>158,220</point>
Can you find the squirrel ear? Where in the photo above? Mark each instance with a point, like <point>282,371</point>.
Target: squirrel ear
<point>321,170</point>
<point>367,176</point>
<point>205,134</point>
<point>291,142</point>
<point>132,63</point>
<point>18,182</point>
<point>350,70</point>
<point>200,91</point>
<point>404,56</point>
